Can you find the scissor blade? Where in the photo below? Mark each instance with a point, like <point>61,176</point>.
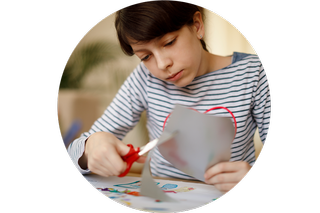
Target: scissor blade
<point>153,143</point>
<point>148,147</point>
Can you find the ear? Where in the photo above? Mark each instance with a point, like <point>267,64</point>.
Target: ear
<point>198,25</point>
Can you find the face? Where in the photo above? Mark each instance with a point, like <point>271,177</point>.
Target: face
<point>176,57</point>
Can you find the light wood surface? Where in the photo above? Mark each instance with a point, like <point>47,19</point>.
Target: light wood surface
<point>165,178</point>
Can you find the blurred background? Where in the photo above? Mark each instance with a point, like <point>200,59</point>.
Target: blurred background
<point>97,68</point>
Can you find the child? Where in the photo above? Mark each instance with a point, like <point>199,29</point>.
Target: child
<point>176,68</point>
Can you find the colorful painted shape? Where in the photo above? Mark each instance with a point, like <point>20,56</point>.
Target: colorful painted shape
<point>169,186</point>
<point>133,185</point>
<point>184,189</point>
<point>126,191</point>
<point>155,209</point>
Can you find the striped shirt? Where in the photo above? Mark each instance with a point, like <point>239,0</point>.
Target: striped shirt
<point>242,87</point>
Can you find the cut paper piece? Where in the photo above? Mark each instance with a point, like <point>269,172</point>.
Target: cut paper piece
<point>148,186</point>
<point>202,141</point>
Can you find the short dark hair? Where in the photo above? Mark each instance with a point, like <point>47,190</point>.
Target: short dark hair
<point>149,20</point>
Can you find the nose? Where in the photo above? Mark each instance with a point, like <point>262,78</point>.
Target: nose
<point>163,61</point>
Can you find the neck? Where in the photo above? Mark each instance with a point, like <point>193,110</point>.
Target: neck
<point>207,63</point>
<point>204,65</point>
<point>212,62</point>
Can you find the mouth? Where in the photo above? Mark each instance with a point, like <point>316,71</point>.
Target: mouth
<point>175,77</point>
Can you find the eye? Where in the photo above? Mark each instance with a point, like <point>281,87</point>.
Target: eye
<point>145,58</point>
<point>170,43</point>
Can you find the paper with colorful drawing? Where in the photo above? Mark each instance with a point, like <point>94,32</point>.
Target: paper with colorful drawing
<point>126,191</point>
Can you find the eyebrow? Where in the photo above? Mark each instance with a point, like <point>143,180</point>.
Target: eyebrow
<point>143,42</point>
<point>140,50</point>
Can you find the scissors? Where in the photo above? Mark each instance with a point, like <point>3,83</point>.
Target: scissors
<point>133,155</point>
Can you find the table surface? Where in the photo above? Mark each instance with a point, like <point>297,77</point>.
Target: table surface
<point>200,194</point>
<point>165,178</point>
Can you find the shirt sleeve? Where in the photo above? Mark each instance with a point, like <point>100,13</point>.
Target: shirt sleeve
<point>75,150</point>
<point>262,104</point>
<point>120,116</point>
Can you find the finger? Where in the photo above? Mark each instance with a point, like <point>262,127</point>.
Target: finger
<point>101,168</point>
<point>117,164</point>
<point>220,168</point>
<point>107,161</point>
<point>142,159</point>
<point>225,187</point>
<point>231,177</point>
<point>117,167</point>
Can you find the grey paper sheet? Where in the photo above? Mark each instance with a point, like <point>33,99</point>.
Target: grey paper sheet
<point>201,142</point>
<point>148,186</point>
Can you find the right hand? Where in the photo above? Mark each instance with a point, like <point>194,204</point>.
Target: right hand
<point>102,155</point>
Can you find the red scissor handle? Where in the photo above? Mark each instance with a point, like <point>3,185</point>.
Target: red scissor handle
<point>130,158</point>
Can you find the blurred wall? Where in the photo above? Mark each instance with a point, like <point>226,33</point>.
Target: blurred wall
<point>222,38</point>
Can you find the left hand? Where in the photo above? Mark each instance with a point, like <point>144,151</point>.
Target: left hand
<point>225,175</point>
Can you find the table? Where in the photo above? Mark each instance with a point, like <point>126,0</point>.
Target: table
<point>187,194</point>
<point>166,178</point>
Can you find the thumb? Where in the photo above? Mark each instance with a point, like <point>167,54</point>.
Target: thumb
<point>122,148</point>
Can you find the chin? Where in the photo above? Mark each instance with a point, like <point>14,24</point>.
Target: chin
<point>182,83</point>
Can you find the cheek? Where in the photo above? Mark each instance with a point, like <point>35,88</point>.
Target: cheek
<point>189,54</point>
<point>152,67</point>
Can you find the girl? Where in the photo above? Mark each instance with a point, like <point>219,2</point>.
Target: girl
<point>176,68</point>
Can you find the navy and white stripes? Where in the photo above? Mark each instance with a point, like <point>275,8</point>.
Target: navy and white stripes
<point>242,87</point>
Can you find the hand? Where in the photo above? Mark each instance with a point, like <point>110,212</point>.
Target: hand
<point>103,153</point>
<point>224,176</point>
